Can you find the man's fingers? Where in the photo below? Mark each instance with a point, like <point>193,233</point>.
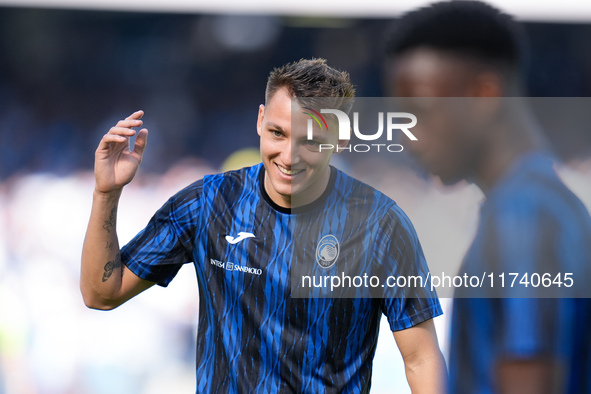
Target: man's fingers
<point>129,123</point>
<point>108,138</point>
<point>124,131</point>
<point>114,138</point>
<point>132,120</point>
<point>136,115</point>
<point>140,142</point>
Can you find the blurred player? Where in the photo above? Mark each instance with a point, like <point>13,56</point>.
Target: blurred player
<point>529,223</point>
<point>239,228</point>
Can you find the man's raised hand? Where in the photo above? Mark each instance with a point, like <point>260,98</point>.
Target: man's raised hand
<point>114,164</point>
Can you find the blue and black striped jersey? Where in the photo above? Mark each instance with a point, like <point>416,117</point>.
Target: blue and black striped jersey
<point>254,335</point>
<point>530,225</point>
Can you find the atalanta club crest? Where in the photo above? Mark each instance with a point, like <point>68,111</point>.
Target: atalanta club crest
<point>327,251</point>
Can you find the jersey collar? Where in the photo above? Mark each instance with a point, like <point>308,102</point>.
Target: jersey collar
<point>304,208</point>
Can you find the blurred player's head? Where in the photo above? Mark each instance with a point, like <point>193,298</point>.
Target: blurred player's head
<point>296,166</point>
<point>454,49</point>
<point>470,36</point>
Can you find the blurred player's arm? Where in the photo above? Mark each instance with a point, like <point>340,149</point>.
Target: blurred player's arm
<point>530,376</point>
<point>105,282</point>
<point>424,364</point>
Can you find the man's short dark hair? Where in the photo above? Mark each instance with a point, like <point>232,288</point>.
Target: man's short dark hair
<point>470,28</point>
<point>313,80</point>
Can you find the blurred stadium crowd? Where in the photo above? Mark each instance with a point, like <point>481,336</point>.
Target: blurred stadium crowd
<point>67,76</point>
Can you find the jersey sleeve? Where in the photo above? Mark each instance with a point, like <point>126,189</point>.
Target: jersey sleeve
<point>409,305</point>
<point>158,251</point>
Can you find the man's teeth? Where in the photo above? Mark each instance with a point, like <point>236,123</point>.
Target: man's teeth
<point>289,172</point>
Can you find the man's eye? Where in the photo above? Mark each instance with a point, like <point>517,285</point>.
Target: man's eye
<point>312,143</point>
<point>276,133</point>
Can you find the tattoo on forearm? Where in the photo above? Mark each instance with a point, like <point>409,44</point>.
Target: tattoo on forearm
<point>112,266</point>
<point>110,222</point>
<point>109,245</point>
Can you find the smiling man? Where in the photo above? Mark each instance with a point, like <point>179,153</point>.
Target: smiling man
<point>239,230</point>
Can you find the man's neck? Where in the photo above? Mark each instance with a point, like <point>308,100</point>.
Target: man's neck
<point>303,197</point>
<point>509,141</point>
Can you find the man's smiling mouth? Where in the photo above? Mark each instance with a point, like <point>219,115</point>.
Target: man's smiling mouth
<point>288,172</point>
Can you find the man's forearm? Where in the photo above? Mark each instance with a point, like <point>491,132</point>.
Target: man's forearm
<point>425,367</point>
<point>428,375</point>
<point>101,271</point>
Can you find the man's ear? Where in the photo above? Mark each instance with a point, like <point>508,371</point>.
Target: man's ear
<point>487,84</point>
<point>260,119</point>
<point>489,90</point>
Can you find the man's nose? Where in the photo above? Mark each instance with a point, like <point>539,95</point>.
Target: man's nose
<point>289,153</point>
